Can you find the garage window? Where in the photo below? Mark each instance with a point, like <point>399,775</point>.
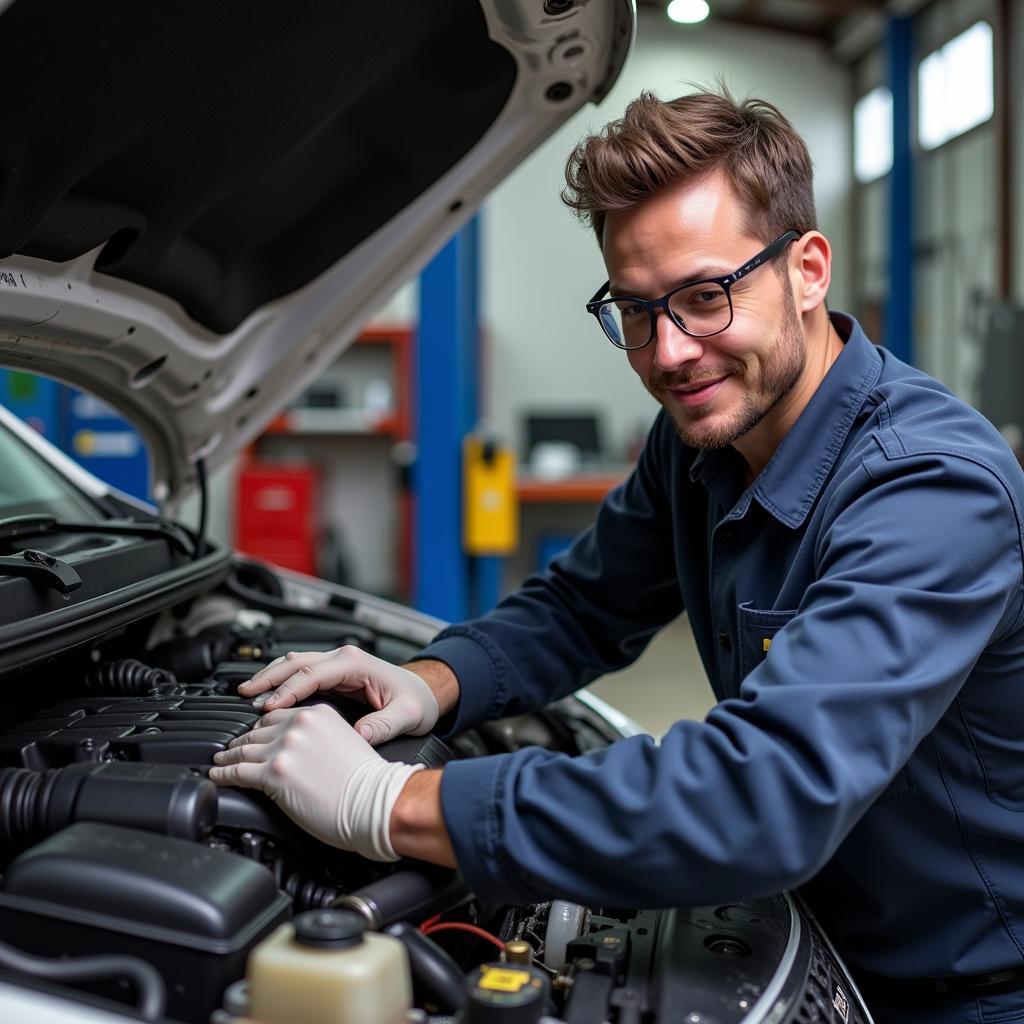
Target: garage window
<point>872,135</point>
<point>955,87</point>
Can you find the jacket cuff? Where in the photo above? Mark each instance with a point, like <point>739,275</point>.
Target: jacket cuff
<point>471,802</point>
<point>481,690</point>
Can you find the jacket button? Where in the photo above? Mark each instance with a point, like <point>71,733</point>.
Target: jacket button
<point>727,535</point>
<point>725,641</point>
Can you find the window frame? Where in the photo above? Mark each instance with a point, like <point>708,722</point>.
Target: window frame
<point>965,26</point>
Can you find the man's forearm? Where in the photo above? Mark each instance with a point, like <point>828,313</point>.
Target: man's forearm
<point>441,680</point>
<point>417,822</point>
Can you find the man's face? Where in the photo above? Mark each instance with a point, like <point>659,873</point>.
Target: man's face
<point>716,389</point>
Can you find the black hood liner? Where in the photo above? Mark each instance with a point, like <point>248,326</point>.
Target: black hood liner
<point>228,151</point>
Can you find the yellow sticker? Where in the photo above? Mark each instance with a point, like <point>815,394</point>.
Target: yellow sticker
<point>766,642</point>
<point>498,980</point>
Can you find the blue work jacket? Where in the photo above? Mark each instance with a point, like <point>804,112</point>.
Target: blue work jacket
<point>858,609</point>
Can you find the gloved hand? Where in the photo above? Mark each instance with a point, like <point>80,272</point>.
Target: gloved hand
<point>322,774</point>
<point>404,702</point>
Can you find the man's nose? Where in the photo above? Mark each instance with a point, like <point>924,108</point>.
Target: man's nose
<point>673,347</point>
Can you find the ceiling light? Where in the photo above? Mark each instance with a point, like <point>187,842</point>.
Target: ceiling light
<point>688,12</point>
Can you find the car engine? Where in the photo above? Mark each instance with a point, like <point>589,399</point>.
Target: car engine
<point>131,881</point>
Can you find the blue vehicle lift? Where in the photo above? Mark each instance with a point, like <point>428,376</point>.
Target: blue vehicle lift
<point>448,583</point>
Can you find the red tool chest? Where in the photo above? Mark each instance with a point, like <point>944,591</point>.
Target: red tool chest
<point>276,515</point>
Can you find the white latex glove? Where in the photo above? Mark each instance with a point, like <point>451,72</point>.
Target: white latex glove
<point>322,774</point>
<point>404,702</point>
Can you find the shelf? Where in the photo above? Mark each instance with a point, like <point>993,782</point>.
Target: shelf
<point>580,487</point>
<point>335,421</point>
<point>360,494</point>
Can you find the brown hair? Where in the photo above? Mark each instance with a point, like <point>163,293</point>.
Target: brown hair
<point>658,143</point>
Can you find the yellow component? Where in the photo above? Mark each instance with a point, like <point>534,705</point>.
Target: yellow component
<point>496,979</point>
<point>766,642</point>
<point>84,442</point>
<point>490,509</point>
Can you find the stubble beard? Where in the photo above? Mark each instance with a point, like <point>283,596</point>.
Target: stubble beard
<point>782,369</point>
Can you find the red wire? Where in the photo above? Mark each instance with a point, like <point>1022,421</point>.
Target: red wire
<point>430,921</point>
<point>459,926</point>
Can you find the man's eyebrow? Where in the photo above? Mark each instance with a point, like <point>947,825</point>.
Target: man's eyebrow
<point>698,274</point>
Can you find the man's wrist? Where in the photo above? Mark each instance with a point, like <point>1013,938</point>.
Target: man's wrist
<point>443,682</point>
<point>381,794</point>
<point>417,821</point>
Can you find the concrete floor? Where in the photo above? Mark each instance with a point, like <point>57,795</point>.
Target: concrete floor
<point>665,684</point>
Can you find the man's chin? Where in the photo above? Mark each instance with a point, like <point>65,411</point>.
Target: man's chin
<point>701,432</point>
<point>701,428</point>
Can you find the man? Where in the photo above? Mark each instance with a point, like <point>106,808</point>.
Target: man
<point>845,536</point>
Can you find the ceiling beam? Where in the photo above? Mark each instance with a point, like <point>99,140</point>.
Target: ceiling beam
<point>820,30</point>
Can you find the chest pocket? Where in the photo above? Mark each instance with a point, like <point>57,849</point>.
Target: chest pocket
<point>757,629</point>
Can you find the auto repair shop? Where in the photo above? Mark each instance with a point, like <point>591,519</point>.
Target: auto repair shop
<point>296,355</point>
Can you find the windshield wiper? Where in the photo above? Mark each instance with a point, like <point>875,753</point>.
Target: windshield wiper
<point>34,525</point>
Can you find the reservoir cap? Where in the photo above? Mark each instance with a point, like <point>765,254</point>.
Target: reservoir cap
<point>329,929</point>
<point>506,993</point>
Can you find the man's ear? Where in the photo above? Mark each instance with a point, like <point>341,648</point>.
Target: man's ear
<point>810,270</point>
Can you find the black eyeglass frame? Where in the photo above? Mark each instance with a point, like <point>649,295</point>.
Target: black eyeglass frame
<point>652,305</point>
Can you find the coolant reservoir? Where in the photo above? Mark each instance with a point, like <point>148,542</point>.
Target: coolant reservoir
<point>325,968</point>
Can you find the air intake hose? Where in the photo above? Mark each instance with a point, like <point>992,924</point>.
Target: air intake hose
<point>127,678</point>
<point>410,894</point>
<point>166,799</point>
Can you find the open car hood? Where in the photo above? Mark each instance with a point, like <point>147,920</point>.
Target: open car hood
<point>201,204</point>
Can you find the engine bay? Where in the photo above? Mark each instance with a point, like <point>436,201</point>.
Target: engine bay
<point>116,847</point>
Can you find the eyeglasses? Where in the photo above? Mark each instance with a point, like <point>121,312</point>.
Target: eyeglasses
<point>698,308</point>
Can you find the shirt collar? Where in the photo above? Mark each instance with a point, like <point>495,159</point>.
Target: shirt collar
<point>789,485</point>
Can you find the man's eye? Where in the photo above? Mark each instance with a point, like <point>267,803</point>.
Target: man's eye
<point>631,309</point>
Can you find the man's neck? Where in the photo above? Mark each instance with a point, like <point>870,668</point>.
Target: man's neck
<point>824,347</point>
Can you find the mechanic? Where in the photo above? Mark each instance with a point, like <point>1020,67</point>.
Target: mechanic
<point>845,537</point>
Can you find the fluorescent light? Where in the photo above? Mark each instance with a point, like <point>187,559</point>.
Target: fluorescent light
<point>688,12</point>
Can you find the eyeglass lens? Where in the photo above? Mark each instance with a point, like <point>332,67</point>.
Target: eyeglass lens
<point>702,308</point>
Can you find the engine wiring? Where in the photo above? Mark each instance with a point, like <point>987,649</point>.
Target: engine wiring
<point>462,926</point>
<point>434,924</point>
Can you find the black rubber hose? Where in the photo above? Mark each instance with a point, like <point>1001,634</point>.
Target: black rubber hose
<point>204,504</point>
<point>407,895</point>
<point>438,978</point>
<point>24,797</point>
<point>127,678</point>
<point>307,894</point>
<point>149,985</point>
<point>164,799</point>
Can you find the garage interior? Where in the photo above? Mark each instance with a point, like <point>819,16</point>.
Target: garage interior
<point>473,425</point>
